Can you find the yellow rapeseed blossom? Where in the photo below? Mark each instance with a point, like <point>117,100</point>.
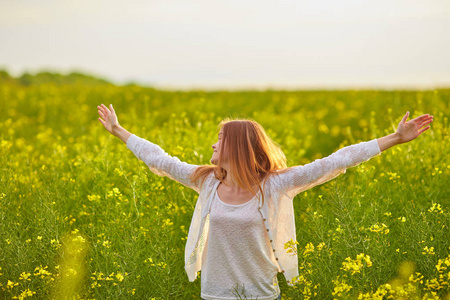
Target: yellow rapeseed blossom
<point>41,271</point>
<point>379,228</point>
<point>379,294</point>
<point>119,276</point>
<point>291,247</point>
<point>435,208</point>
<point>340,287</point>
<point>167,222</point>
<point>11,284</point>
<point>308,249</point>
<point>393,176</point>
<point>432,296</point>
<point>115,193</point>
<point>443,264</point>
<point>118,171</point>
<point>320,246</point>
<point>432,284</point>
<point>24,294</point>
<point>429,251</point>
<point>95,198</point>
<point>25,276</point>
<point>355,265</point>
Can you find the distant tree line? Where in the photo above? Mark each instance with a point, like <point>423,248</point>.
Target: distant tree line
<point>51,77</point>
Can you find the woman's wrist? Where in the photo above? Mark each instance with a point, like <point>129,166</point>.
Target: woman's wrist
<point>121,133</point>
<point>389,141</point>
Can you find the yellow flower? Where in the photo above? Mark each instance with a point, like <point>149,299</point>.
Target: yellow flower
<point>355,265</point>
<point>377,228</point>
<point>24,294</point>
<point>291,245</point>
<point>41,271</point>
<point>24,276</point>
<point>429,251</point>
<point>167,222</point>
<point>308,248</point>
<point>435,208</point>
<point>119,276</point>
<point>340,287</point>
<point>118,171</point>
<point>94,198</point>
<point>320,246</point>
<point>11,284</point>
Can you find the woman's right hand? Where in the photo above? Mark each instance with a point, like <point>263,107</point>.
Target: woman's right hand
<point>108,118</point>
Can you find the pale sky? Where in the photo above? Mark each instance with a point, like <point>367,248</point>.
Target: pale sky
<point>233,44</point>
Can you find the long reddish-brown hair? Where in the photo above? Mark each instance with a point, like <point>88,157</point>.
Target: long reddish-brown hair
<point>251,155</point>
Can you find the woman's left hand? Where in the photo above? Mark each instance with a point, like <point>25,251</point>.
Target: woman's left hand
<point>408,131</point>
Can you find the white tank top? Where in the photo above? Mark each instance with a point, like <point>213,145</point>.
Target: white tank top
<point>238,260</point>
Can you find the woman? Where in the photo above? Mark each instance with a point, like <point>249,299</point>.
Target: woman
<point>244,213</point>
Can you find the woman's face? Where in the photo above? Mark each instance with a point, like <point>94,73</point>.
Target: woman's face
<point>216,148</point>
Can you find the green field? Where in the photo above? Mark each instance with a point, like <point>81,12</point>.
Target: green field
<point>81,217</point>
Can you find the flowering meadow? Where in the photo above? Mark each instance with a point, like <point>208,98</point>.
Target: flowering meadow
<point>82,218</point>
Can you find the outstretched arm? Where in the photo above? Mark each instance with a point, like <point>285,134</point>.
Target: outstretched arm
<point>406,131</point>
<point>297,179</point>
<point>158,161</point>
<point>300,178</point>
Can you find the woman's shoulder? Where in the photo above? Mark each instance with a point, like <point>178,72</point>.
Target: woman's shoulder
<point>209,181</point>
<point>275,177</point>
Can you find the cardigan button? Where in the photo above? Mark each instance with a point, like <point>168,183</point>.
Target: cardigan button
<point>267,229</point>
<point>276,258</point>
<point>264,220</point>
<point>282,271</point>
<point>271,241</point>
<point>273,250</point>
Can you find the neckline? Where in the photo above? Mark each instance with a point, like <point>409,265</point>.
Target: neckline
<point>234,205</point>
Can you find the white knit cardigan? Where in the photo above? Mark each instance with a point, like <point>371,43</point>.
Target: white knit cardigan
<point>277,210</point>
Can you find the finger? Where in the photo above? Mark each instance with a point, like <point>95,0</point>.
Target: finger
<point>112,109</point>
<point>420,118</point>
<point>101,114</point>
<point>106,109</point>
<point>425,129</point>
<point>425,121</point>
<point>405,117</point>
<point>100,108</point>
<point>101,121</point>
